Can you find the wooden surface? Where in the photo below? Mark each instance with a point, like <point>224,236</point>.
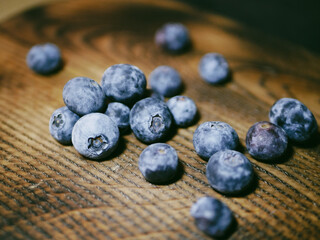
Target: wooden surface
<point>48,191</point>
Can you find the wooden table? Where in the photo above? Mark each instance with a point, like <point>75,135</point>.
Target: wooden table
<point>48,191</point>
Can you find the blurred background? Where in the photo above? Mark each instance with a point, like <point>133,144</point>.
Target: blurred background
<point>291,20</point>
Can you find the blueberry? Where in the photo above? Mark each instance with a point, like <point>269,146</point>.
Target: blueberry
<point>158,163</point>
<point>83,95</point>
<point>95,136</point>
<point>211,137</point>
<point>124,83</point>
<point>214,68</point>
<point>44,58</point>
<point>150,120</point>
<point>212,216</point>
<point>229,172</point>
<point>61,124</point>
<point>173,37</point>
<point>183,110</point>
<point>295,119</point>
<point>166,81</point>
<point>266,141</point>
<point>119,113</point>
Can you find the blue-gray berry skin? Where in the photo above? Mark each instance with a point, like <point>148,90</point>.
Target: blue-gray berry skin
<point>158,163</point>
<point>214,68</point>
<point>183,110</point>
<point>119,113</point>
<point>83,95</point>
<point>229,172</point>
<point>150,120</point>
<point>266,141</point>
<point>173,37</point>
<point>212,216</point>
<point>295,119</point>
<point>44,58</point>
<point>166,81</point>
<point>95,136</point>
<point>61,124</point>
<point>211,137</point>
<point>124,83</point>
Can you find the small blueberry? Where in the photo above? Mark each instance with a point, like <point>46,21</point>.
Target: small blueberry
<point>211,137</point>
<point>214,68</point>
<point>158,163</point>
<point>150,120</point>
<point>119,113</point>
<point>166,81</point>
<point>183,110</point>
<point>61,124</point>
<point>44,58</point>
<point>212,216</point>
<point>83,95</point>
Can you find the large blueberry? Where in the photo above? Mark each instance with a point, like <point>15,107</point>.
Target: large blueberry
<point>183,110</point>
<point>295,118</point>
<point>95,136</point>
<point>166,81</point>
<point>212,216</point>
<point>211,137</point>
<point>61,124</point>
<point>124,83</point>
<point>214,68</point>
<point>44,58</point>
<point>229,172</point>
<point>150,120</point>
<point>173,37</point>
<point>119,113</point>
<point>83,95</point>
<point>158,163</point>
<point>266,141</point>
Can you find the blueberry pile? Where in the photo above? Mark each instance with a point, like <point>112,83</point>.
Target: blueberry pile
<point>96,115</point>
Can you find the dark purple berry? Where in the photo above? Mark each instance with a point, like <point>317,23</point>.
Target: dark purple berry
<point>266,141</point>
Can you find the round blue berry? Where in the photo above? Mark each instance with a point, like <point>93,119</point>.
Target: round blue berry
<point>95,136</point>
<point>119,113</point>
<point>150,120</point>
<point>266,141</point>
<point>44,58</point>
<point>173,37</point>
<point>211,137</point>
<point>61,124</point>
<point>83,95</point>
<point>214,68</point>
<point>124,83</point>
<point>183,110</point>
<point>166,81</point>
<point>295,119</point>
<point>229,172</point>
<point>158,163</point>
<point>212,216</point>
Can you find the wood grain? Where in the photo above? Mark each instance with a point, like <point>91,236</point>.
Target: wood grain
<point>48,191</point>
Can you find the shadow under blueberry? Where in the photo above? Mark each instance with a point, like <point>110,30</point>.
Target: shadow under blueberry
<point>232,228</point>
<point>59,68</point>
<point>177,176</point>
<point>314,141</point>
<point>254,184</point>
